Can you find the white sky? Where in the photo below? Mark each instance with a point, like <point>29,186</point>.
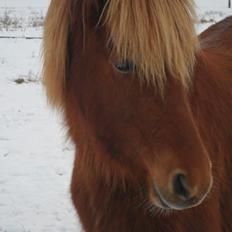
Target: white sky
<point>44,3</point>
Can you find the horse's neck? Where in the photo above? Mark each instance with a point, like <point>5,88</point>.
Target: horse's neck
<point>217,38</point>
<point>213,79</point>
<point>212,108</point>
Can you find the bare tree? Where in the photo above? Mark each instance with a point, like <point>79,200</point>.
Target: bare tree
<point>229,3</point>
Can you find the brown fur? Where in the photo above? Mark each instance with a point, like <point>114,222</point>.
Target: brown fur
<point>129,137</point>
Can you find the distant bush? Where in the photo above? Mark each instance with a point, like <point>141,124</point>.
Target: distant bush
<point>19,81</point>
<point>30,77</point>
<point>211,16</point>
<point>12,19</point>
<point>203,20</point>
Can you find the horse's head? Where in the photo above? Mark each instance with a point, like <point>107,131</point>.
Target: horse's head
<point>128,70</point>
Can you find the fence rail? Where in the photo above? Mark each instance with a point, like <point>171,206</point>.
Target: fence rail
<point>20,37</point>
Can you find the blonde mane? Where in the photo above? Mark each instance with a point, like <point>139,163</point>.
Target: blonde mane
<point>55,47</point>
<point>157,35</point>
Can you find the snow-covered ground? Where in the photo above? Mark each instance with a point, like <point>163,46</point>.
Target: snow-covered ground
<point>35,159</point>
<point>22,21</point>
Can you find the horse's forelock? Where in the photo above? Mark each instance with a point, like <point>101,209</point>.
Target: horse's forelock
<point>55,42</point>
<point>157,35</point>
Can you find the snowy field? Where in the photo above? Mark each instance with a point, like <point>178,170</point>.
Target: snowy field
<point>35,158</point>
<point>22,22</point>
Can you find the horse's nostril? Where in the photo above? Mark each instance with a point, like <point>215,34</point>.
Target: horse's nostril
<point>180,187</point>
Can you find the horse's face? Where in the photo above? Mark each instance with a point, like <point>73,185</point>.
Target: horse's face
<point>136,131</point>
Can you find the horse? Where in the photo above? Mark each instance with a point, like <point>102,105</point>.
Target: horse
<point>148,105</point>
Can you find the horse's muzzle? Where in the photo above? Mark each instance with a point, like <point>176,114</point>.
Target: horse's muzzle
<point>181,195</point>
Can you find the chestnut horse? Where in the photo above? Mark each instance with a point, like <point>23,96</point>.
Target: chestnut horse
<point>148,105</point>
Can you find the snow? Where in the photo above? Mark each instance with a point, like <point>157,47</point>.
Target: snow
<point>35,162</point>
<point>212,3</point>
<point>23,3</point>
<point>35,157</point>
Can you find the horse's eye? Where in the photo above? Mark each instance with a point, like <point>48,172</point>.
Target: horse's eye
<point>125,67</point>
